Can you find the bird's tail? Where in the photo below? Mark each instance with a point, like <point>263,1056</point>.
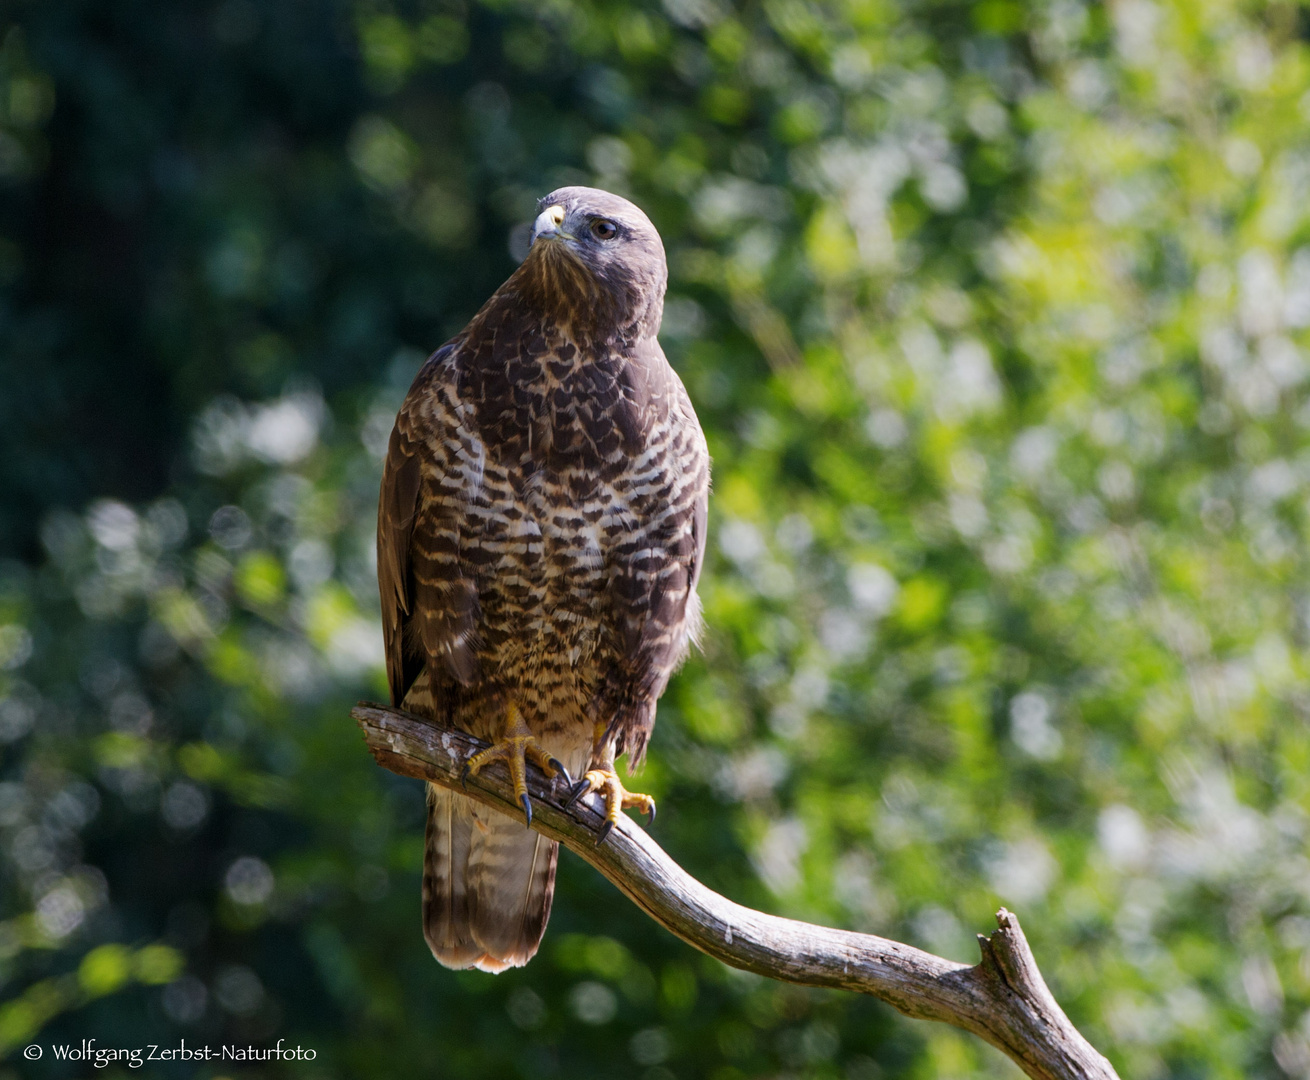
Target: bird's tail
<point>488,882</point>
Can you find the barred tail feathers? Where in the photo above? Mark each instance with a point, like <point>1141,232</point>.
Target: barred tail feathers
<point>488,882</point>
<point>448,837</point>
<point>511,883</point>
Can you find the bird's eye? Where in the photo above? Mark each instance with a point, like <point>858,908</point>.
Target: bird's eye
<point>602,229</point>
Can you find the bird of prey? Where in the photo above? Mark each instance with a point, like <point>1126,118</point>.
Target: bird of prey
<point>541,531</point>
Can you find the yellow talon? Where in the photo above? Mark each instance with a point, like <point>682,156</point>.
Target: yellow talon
<point>515,748</point>
<point>617,798</point>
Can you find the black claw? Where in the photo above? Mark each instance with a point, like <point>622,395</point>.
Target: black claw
<point>604,832</point>
<point>526,803</point>
<point>464,776</point>
<point>650,818</point>
<point>558,766</point>
<point>579,789</point>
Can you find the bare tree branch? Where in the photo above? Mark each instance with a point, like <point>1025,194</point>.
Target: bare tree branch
<point>1003,999</point>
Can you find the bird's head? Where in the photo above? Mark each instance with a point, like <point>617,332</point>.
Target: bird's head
<point>598,259</point>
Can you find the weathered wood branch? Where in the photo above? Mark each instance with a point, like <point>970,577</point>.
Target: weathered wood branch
<point>1002,999</point>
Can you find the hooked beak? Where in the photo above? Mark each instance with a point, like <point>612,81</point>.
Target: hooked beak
<point>547,225</point>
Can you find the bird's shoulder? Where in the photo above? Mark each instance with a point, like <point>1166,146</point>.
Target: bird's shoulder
<point>670,406</point>
<point>437,410</point>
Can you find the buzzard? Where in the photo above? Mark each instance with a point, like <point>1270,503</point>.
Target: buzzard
<point>541,530</point>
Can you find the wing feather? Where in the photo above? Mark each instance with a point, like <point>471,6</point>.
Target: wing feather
<point>655,611</point>
<point>397,507</point>
<point>431,475</point>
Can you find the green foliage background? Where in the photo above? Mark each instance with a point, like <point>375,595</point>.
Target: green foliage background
<point>996,317</point>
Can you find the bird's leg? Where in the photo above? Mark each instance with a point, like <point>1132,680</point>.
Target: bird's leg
<point>602,777</point>
<point>515,747</point>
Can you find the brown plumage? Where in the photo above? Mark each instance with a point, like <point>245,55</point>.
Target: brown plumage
<point>541,530</point>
